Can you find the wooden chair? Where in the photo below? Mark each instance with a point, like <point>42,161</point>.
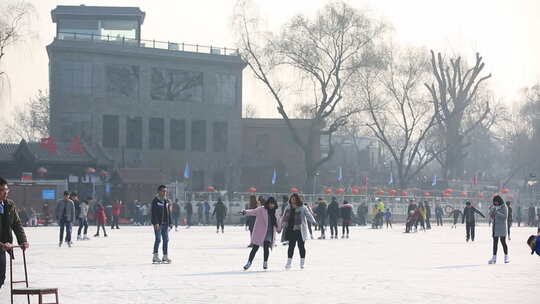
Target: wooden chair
<point>28,291</point>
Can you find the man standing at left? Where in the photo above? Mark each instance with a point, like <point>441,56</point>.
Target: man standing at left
<point>9,222</point>
<point>65,215</point>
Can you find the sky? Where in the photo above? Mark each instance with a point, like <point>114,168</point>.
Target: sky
<point>505,32</point>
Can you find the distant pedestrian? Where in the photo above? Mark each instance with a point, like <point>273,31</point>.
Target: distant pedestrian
<point>65,215</point>
<point>101,219</point>
<point>456,213</point>
<point>346,211</point>
<point>439,213</point>
<point>83,220</point>
<point>510,217</point>
<point>176,213</point>
<point>388,218</point>
<point>206,209</point>
<point>333,216</point>
<point>220,212</point>
<point>322,213</point>
<point>116,211</point>
<point>470,221</point>
<point>189,213</point>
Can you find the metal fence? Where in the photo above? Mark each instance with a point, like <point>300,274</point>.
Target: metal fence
<point>153,44</point>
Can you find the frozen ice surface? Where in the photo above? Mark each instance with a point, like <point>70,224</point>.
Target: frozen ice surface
<point>373,266</point>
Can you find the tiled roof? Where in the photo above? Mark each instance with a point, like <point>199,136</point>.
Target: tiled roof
<point>7,151</point>
<point>141,176</point>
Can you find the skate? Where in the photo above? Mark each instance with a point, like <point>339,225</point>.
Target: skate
<point>156,259</point>
<point>217,231</point>
<point>302,262</point>
<point>343,236</point>
<point>289,264</point>
<point>222,231</point>
<point>86,238</point>
<point>265,265</point>
<point>506,259</point>
<point>347,236</point>
<point>493,260</point>
<point>96,235</point>
<point>166,259</point>
<point>60,244</point>
<point>69,244</point>
<point>79,238</point>
<point>104,235</point>
<point>248,264</point>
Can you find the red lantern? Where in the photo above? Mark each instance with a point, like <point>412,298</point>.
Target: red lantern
<point>294,190</point>
<point>509,197</point>
<point>380,192</point>
<point>355,191</point>
<point>404,193</point>
<point>446,194</point>
<point>103,173</point>
<point>427,194</point>
<point>504,191</point>
<point>41,171</point>
<point>449,191</point>
<point>392,192</point>
<point>252,189</point>
<point>463,194</point>
<point>211,188</point>
<point>340,190</point>
<point>480,195</point>
<point>327,191</point>
<point>90,170</point>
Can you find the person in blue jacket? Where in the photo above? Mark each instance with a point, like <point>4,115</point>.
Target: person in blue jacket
<point>534,243</point>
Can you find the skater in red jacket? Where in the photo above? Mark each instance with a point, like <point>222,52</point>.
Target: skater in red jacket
<point>116,210</point>
<point>101,219</point>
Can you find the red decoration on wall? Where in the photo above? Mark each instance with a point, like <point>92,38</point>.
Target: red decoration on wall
<point>392,192</point>
<point>90,170</point>
<point>340,190</point>
<point>327,191</point>
<point>48,144</point>
<point>41,171</point>
<point>404,193</point>
<point>211,188</point>
<point>504,191</point>
<point>427,194</point>
<point>75,146</point>
<point>355,191</point>
<point>294,190</point>
<point>252,189</point>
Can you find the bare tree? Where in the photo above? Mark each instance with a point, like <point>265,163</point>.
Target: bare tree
<point>250,111</point>
<point>31,121</point>
<point>399,114</point>
<point>14,26</point>
<point>323,52</point>
<point>454,95</point>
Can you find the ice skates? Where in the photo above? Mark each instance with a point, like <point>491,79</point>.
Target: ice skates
<point>156,259</point>
<point>265,265</point>
<point>506,259</point>
<point>493,260</point>
<point>302,262</point>
<point>289,264</point>
<point>248,264</point>
<point>166,260</point>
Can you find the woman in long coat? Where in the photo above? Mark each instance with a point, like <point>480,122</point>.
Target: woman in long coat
<point>264,230</point>
<point>499,216</point>
<point>294,222</point>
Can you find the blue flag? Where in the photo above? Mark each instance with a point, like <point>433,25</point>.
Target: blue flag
<point>434,182</point>
<point>274,177</point>
<point>391,180</point>
<point>339,174</point>
<point>186,171</point>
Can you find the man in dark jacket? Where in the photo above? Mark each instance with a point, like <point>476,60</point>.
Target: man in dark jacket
<point>532,216</point>
<point>439,214</point>
<point>469,219</point>
<point>322,213</point>
<point>162,222</point>
<point>9,223</point>
<point>189,213</point>
<point>428,214</point>
<point>333,215</point>
<point>510,218</point>
<point>65,215</point>
<point>220,211</point>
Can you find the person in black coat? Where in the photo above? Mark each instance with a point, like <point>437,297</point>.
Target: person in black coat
<point>322,213</point>
<point>532,216</point>
<point>469,220</point>
<point>161,222</point>
<point>333,215</point>
<point>189,213</point>
<point>220,211</point>
<point>428,214</point>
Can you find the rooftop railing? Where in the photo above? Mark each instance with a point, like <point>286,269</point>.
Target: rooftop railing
<point>152,44</point>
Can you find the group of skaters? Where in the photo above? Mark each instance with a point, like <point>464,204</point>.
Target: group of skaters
<point>70,211</point>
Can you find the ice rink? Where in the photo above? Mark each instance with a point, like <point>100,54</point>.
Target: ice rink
<point>373,266</point>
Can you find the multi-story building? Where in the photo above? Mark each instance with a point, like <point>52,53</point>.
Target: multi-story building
<point>149,104</point>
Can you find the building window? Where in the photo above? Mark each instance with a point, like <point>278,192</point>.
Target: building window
<point>156,133</point>
<point>219,134</point>
<point>134,132</point>
<point>219,180</point>
<point>198,136</point>
<point>75,78</point>
<point>176,85</point>
<point>111,130</point>
<point>122,80</point>
<point>178,134</point>
<point>226,89</point>
<point>197,181</point>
